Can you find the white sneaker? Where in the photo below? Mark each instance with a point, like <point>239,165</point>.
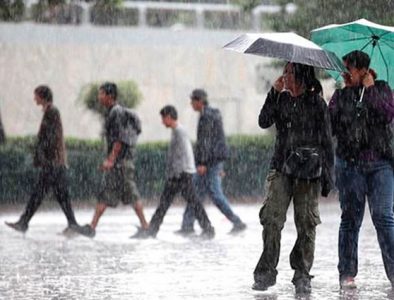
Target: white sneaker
<point>348,283</point>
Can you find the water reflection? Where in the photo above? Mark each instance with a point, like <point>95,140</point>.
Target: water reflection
<point>265,297</point>
<point>46,265</point>
<point>350,294</point>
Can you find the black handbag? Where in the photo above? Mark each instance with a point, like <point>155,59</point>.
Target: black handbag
<point>303,163</point>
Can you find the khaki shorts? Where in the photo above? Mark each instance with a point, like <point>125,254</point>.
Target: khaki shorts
<point>118,184</point>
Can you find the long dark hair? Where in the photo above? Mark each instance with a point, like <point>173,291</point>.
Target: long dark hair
<point>305,75</point>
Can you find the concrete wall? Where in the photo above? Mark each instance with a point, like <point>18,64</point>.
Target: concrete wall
<point>166,65</point>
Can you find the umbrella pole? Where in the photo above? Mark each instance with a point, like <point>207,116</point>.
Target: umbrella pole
<point>362,94</point>
<point>374,43</point>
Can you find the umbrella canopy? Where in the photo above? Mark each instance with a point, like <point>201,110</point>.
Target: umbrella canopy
<point>374,39</point>
<point>288,46</point>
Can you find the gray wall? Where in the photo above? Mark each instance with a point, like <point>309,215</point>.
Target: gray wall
<point>166,64</point>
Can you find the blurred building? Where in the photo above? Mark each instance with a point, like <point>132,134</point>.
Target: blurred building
<point>166,61</point>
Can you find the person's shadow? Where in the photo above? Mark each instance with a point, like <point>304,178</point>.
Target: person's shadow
<point>264,296</point>
<point>390,294</point>
<point>349,294</point>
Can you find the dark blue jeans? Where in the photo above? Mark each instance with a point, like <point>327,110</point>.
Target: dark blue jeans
<point>211,184</point>
<point>356,183</point>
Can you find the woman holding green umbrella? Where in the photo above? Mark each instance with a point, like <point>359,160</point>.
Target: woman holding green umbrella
<point>361,113</point>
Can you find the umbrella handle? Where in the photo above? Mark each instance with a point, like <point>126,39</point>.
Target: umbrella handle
<point>362,94</point>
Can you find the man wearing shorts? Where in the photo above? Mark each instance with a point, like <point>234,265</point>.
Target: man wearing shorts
<point>118,183</point>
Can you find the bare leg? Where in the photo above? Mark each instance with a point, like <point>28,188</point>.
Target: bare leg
<point>139,210</point>
<point>100,208</point>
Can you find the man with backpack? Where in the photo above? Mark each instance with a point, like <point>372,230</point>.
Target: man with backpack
<point>121,129</point>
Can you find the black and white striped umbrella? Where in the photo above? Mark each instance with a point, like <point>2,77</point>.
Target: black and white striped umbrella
<point>287,46</point>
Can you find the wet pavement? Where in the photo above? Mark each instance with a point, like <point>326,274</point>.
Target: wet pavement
<point>43,264</point>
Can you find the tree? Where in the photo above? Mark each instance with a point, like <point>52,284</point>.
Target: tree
<point>106,12</point>
<point>12,10</point>
<point>129,96</point>
<point>246,5</point>
<point>317,13</point>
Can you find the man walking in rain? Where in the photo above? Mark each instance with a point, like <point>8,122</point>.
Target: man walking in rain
<point>179,172</point>
<point>118,184</point>
<point>50,157</point>
<point>211,151</point>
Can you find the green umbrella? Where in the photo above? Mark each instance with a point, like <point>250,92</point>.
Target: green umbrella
<point>374,39</point>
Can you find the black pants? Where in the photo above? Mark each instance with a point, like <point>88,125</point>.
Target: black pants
<point>172,187</point>
<point>56,178</point>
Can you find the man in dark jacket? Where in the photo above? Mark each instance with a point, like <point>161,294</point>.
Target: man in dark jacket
<point>361,114</point>
<point>50,157</point>
<point>211,150</point>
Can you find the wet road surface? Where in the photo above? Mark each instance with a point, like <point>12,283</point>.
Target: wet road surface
<point>43,264</point>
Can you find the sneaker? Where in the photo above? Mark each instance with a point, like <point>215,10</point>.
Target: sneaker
<point>75,229</point>
<point>185,232</point>
<point>238,228</point>
<point>86,230</point>
<point>141,233</point>
<point>18,226</point>
<point>303,286</point>
<point>208,233</point>
<point>262,284</point>
<point>348,283</point>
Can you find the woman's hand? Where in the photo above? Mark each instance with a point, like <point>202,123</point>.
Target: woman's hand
<point>347,78</point>
<point>279,84</point>
<point>368,79</point>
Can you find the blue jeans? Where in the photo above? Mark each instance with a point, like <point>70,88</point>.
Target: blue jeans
<point>211,184</point>
<point>356,182</point>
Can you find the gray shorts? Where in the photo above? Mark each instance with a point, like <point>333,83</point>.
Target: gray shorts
<point>118,184</point>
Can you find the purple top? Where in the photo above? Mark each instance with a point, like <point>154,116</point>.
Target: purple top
<point>379,102</point>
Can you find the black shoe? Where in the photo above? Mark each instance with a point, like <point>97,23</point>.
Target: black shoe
<point>262,283</point>
<point>238,228</point>
<point>185,232</point>
<point>208,233</point>
<point>141,233</point>
<point>303,286</point>
<point>18,226</point>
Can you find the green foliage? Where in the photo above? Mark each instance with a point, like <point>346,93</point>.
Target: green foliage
<point>128,95</point>
<point>317,13</point>
<point>246,5</point>
<point>56,12</point>
<point>246,168</point>
<point>106,12</point>
<point>12,10</point>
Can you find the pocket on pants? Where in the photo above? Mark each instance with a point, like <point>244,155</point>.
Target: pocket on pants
<point>272,174</point>
<point>261,215</point>
<point>315,217</point>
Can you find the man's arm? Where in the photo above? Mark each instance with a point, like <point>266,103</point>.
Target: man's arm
<point>379,97</point>
<point>109,162</point>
